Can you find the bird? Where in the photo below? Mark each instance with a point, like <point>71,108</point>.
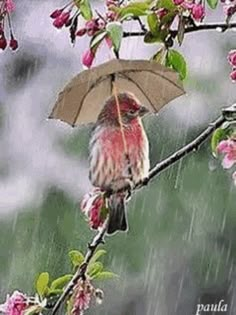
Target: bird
<point>111,168</point>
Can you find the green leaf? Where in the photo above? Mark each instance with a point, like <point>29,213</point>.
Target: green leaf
<point>168,18</point>
<point>42,283</point>
<point>105,275</point>
<point>115,32</point>
<point>218,135</point>
<point>159,56</point>
<point>153,23</point>
<point>85,9</point>
<point>158,37</point>
<point>76,258</point>
<point>134,9</point>
<point>166,4</point>
<point>149,38</point>
<point>99,253</point>
<point>55,292</point>
<point>97,39</point>
<point>59,283</point>
<point>77,3</point>
<point>176,61</point>
<point>212,3</point>
<point>94,268</point>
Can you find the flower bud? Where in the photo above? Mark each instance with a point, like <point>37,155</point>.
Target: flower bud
<point>187,5</point>
<point>232,57</point>
<point>91,27</point>
<point>55,14</point>
<point>81,32</point>
<point>110,16</point>
<point>61,20</point>
<point>161,13</point>
<point>3,43</point>
<point>88,57</point>
<point>198,12</point>
<point>58,23</point>
<point>229,10</point>
<point>178,2</point>
<point>233,75</point>
<point>9,6</point>
<point>101,24</point>
<point>111,3</point>
<point>13,44</point>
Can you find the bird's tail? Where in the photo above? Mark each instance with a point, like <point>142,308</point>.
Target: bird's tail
<point>117,217</point>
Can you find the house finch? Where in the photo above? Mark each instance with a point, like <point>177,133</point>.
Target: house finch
<point>109,166</point>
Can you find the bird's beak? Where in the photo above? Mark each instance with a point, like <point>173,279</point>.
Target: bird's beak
<point>143,111</point>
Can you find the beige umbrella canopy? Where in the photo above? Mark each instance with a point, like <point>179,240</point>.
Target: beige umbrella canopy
<point>83,98</point>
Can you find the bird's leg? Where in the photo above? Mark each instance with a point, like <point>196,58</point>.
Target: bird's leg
<point>126,182</point>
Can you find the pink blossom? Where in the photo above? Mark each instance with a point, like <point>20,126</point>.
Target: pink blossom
<point>88,57</point>
<point>187,5</point>
<point>232,57</point>
<point>111,16</point>
<point>81,32</point>
<point>178,2</point>
<point>229,9</point>
<point>198,12</point>
<point>233,75</point>
<point>101,24</point>
<point>13,44</point>
<point>228,148</point>
<point>91,27</point>
<point>10,6</point>
<point>55,14</point>
<point>82,297</point>
<point>92,205</point>
<point>61,20</point>
<point>15,304</point>
<point>110,3</point>
<point>3,42</point>
<point>161,12</point>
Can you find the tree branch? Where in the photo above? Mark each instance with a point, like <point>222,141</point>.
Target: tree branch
<point>192,146</point>
<point>202,27</point>
<point>81,271</point>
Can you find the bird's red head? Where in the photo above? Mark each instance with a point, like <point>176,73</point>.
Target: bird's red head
<point>130,109</point>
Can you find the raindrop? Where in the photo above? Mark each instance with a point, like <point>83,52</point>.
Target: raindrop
<point>219,29</point>
<point>212,164</point>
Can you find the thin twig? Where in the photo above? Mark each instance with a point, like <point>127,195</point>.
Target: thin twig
<point>81,271</point>
<point>190,147</point>
<point>141,24</point>
<point>194,28</point>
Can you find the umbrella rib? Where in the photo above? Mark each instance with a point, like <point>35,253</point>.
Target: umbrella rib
<point>162,76</point>
<point>140,88</point>
<point>82,101</point>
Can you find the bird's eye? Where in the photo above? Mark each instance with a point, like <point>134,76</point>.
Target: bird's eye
<point>132,111</point>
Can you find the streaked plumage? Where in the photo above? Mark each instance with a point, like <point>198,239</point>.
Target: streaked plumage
<point>108,164</point>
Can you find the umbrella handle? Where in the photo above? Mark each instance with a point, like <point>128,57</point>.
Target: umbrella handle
<point>115,92</point>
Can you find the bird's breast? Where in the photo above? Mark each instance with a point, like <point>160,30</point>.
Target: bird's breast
<point>107,154</point>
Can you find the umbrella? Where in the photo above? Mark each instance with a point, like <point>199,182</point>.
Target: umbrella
<point>83,98</point>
